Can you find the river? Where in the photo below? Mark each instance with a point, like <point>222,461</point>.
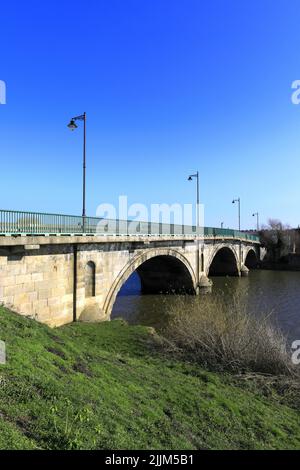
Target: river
<point>275,292</point>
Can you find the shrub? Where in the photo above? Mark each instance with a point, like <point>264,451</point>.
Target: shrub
<point>221,334</point>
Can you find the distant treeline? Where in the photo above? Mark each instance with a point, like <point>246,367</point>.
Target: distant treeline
<point>282,243</point>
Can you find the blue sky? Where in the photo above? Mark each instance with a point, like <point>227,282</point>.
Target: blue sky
<point>169,87</point>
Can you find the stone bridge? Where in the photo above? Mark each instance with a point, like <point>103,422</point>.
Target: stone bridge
<point>63,278</point>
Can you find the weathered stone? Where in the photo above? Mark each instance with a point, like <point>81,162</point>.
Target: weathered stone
<point>244,271</point>
<point>41,282</point>
<point>23,278</point>
<point>205,284</point>
<point>92,313</point>
<point>37,277</point>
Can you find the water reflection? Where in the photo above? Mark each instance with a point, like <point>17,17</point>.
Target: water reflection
<point>264,291</point>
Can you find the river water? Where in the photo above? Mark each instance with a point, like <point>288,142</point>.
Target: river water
<point>275,292</point>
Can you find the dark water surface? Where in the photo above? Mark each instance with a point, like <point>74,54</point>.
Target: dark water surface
<point>265,291</point>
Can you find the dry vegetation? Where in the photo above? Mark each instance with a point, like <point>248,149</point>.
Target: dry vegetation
<point>220,334</point>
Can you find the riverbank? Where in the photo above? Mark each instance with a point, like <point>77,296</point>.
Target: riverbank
<point>290,262</point>
<point>278,266</point>
<point>111,386</point>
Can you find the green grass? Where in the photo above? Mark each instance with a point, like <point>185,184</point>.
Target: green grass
<point>108,386</point>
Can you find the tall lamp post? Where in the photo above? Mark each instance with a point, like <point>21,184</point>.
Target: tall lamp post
<point>238,200</point>
<point>72,125</point>
<point>257,220</point>
<point>190,178</point>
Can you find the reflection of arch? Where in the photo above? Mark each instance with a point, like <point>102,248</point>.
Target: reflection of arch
<point>159,269</point>
<point>90,279</point>
<point>251,260</point>
<point>224,261</point>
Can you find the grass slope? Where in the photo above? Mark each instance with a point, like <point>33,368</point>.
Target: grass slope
<point>105,386</point>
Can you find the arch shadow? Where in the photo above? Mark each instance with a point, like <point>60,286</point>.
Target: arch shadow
<point>251,261</point>
<point>224,263</point>
<point>160,272</point>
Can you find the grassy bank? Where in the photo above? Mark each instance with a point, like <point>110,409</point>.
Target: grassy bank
<point>110,386</point>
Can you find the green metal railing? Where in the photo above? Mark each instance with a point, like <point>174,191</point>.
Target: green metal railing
<point>35,223</point>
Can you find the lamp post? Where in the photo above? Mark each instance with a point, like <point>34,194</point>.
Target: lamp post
<point>238,200</point>
<point>222,224</point>
<point>72,126</point>
<point>190,178</point>
<point>257,220</point>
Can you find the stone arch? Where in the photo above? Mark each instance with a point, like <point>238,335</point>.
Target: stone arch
<point>223,261</point>
<point>250,257</point>
<point>136,265</point>
<point>90,279</point>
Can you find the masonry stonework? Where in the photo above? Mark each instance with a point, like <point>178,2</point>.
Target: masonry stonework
<point>45,277</point>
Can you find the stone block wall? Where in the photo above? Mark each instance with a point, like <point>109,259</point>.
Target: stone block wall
<point>38,280</point>
<point>39,284</point>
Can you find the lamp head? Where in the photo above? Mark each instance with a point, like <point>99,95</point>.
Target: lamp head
<point>190,178</point>
<point>72,125</point>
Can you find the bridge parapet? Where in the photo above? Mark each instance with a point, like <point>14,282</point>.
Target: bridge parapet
<point>13,223</point>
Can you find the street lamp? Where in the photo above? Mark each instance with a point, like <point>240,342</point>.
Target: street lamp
<point>239,210</point>
<point>190,178</point>
<point>238,200</point>
<point>257,220</point>
<point>222,224</point>
<point>72,126</point>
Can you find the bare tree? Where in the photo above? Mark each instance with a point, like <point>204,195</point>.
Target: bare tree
<point>277,238</point>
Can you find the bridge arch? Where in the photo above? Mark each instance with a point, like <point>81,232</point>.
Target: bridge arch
<point>155,268</point>
<point>223,261</point>
<point>251,259</point>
